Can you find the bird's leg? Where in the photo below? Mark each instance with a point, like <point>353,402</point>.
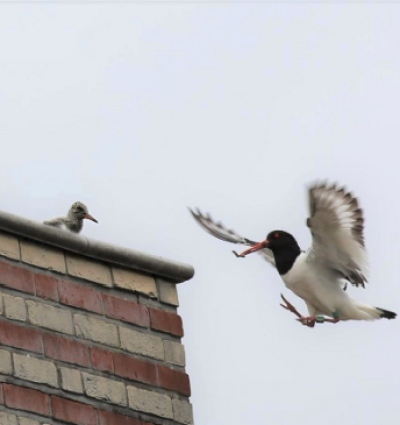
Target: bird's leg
<point>309,321</point>
<point>290,307</point>
<point>335,320</point>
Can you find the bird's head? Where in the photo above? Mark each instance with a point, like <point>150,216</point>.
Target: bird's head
<point>79,211</point>
<point>277,240</point>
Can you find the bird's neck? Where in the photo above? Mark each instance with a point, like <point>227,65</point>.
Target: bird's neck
<point>74,224</point>
<point>285,258</point>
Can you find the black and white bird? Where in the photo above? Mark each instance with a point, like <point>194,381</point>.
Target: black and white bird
<point>320,275</point>
<point>74,219</point>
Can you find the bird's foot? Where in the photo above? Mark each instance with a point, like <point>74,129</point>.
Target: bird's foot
<point>239,255</point>
<point>308,321</point>
<point>290,307</point>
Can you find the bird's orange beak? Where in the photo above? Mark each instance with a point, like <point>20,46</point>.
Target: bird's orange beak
<point>89,217</point>
<point>254,248</point>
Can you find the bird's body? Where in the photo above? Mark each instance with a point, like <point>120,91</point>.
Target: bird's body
<point>322,291</point>
<point>74,219</point>
<point>320,275</point>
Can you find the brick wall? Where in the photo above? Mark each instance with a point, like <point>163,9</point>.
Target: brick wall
<point>87,342</point>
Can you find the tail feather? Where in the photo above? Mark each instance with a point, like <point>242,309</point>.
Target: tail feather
<point>386,314</point>
<point>368,312</point>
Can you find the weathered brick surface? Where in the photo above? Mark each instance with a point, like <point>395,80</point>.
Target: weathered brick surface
<point>18,336</point>
<point>73,412</point>
<point>110,418</point>
<point>104,389</point>
<point>42,256</point>
<point>174,380</point>
<point>27,421</point>
<point>89,270</point>
<point>126,310</point>
<point>35,370</point>
<point>47,316</point>
<point>150,402</point>
<point>80,296</point>
<point>168,292</point>
<point>16,278</point>
<point>174,352</point>
<point>71,380</point>
<point>96,330</point>
<point>15,308</point>
<point>165,321</point>
<point>22,398</point>
<point>5,362</point>
<point>183,412</point>
<point>102,359</point>
<point>134,281</point>
<point>72,350</point>
<point>63,349</point>
<point>135,369</point>
<point>46,286</point>
<point>8,419</point>
<point>141,343</point>
<point>9,246</point>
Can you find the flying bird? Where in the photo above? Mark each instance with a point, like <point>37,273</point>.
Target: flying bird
<point>320,275</point>
<point>74,219</point>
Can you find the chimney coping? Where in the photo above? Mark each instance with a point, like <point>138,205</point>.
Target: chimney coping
<point>79,244</point>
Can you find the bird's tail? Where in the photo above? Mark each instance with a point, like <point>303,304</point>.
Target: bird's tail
<point>386,314</point>
<point>369,312</point>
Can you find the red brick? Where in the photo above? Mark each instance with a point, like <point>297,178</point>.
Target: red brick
<point>102,360</point>
<point>66,350</point>
<point>16,278</point>
<point>73,412</point>
<point>135,369</point>
<point>21,337</point>
<point>46,286</point>
<point>80,296</point>
<point>173,380</point>
<point>26,399</point>
<point>110,418</point>
<point>128,311</point>
<point>166,322</point>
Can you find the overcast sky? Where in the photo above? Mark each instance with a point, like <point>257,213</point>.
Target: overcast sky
<point>140,110</point>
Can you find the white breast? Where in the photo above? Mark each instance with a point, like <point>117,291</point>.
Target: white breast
<point>319,288</point>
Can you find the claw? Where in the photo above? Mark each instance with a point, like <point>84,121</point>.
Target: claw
<point>239,255</point>
<point>307,321</point>
<point>290,307</point>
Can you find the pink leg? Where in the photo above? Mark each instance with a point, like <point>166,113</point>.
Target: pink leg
<point>290,307</point>
<point>307,321</point>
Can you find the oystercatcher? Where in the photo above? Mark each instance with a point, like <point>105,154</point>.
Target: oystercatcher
<point>320,275</point>
<point>74,219</point>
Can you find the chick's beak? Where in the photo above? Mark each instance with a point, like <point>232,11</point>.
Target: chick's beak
<point>89,217</point>
<point>254,248</point>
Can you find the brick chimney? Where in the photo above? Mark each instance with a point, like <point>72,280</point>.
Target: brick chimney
<point>89,332</point>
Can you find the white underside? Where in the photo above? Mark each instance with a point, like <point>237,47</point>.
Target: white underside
<point>321,290</point>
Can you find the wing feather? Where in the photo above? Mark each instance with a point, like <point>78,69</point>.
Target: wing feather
<point>337,224</point>
<point>219,231</point>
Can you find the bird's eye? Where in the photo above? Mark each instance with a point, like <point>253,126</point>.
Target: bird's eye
<point>276,235</point>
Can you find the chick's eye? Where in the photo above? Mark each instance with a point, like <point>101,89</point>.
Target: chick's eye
<point>276,235</point>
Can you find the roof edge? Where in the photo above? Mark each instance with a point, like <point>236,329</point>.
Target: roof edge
<point>79,244</point>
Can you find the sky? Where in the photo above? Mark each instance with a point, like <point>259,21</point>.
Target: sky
<point>143,109</point>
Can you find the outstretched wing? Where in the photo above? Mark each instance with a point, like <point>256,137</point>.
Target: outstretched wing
<point>336,223</point>
<point>219,231</point>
